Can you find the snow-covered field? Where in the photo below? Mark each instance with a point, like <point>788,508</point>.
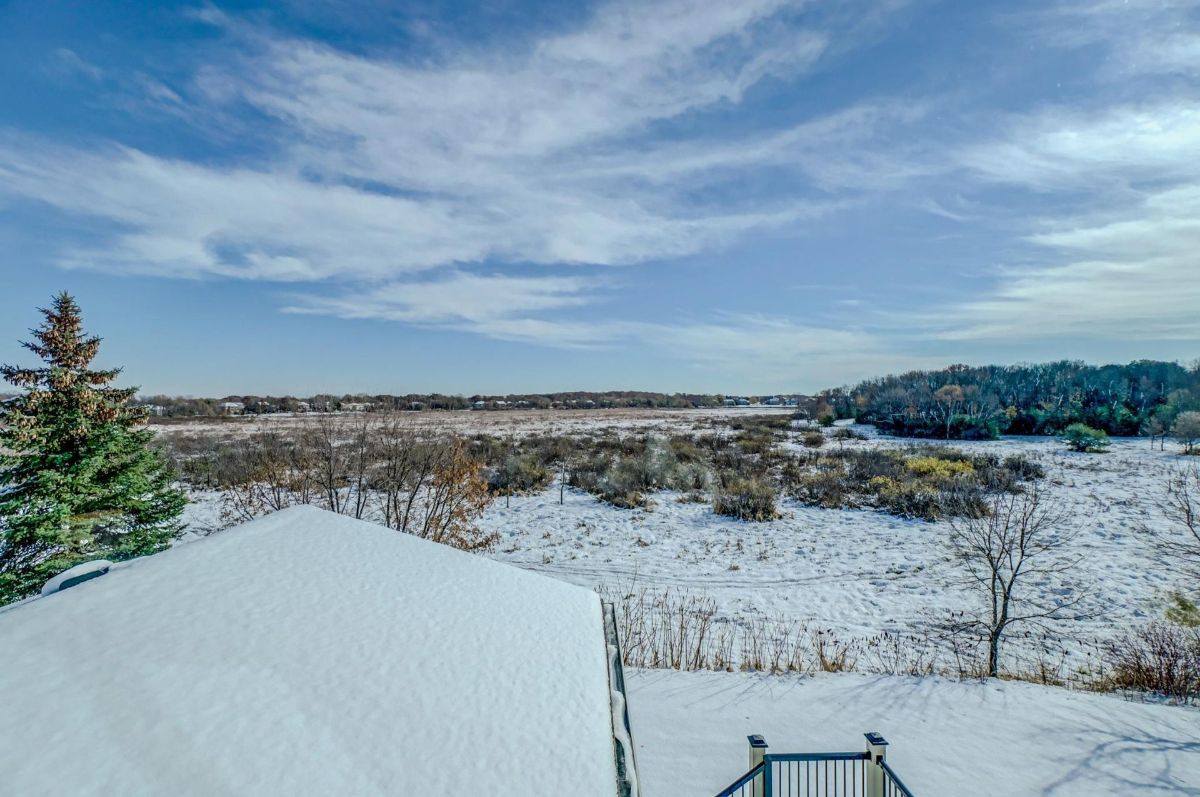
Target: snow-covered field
<point>946,738</point>
<point>859,573</point>
<point>855,572</point>
<point>501,423</point>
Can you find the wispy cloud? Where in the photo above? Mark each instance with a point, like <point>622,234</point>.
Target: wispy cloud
<point>1117,234</point>
<point>494,189</point>
<point>1153,38</point>
<point>1132,275</point>
<point>1114,147</point>
<point>481,303</point>
<point>750,349</point>
<point>385,168</point>
<point>67,63</point>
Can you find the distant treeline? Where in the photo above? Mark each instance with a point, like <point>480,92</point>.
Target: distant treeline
<point>176,406</point>
<point>963,402</point>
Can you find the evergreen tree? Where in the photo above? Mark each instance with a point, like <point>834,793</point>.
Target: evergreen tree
<point>78,479</point>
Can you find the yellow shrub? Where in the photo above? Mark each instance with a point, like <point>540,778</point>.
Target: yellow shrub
<point>938,468</point>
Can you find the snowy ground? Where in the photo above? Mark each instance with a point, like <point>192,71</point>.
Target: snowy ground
<point>501,423</point>
<point>859,573</point>
<point>946,738</point>
<point>856,572</point>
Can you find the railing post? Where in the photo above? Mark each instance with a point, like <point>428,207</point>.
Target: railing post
<point>758,749</point>
<point>876,751</point>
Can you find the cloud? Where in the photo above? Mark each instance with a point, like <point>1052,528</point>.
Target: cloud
<point>766,350</point>
<point>456,299</point>
<point>1063,149</point>
<point>1134,275</point>
<point>67,63</point>
<point>1139,38</point>
<point>753,349</point>
<point>546,154</point>
<point>1116,235</point>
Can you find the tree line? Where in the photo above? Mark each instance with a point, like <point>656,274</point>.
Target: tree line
<point>1146,397</point>
<point>189,406</point>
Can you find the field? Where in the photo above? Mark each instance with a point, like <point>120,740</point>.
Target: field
<point>847,575</point>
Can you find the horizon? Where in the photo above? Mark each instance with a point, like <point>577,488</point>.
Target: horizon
<point>772,198</point>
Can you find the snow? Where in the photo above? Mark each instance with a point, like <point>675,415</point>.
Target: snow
<point>946,738</point>
<point>98,567</point>
<point>857,572</point>
<point>306,653</point>
<point>854,572</point>
<point>620,710</point>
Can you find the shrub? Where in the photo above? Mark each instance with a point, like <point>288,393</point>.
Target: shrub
<point>519,473</point>
<point>690,477</point>
<point>751,498</point>
<point>939,468</point>
<point>826,419</point>
<point>588,472</point>
<point>639,466</point>
<point>814,440</point>
<point>1081,437</point>
<point>925,501</point>
<point>1160,658</point>
<point>927,482</point>
<point>846,433</point>
<point>762,422</point>
<point>1023,468</point>
<point>685,449</point>
<point>756,441</point>
<point>827,489</point>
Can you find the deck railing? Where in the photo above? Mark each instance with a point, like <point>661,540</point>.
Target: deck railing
<point>857,774</point>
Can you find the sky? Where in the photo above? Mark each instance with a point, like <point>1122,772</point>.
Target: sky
<point>753,197</point>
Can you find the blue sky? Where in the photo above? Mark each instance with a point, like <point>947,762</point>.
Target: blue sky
<point>744,197</point>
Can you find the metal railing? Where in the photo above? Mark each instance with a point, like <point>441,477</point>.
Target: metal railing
<point>892,785</point>
<point>745,786</point>
<point>859,774</point>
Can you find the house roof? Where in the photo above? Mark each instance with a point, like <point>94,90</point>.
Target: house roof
<point>308,653</point>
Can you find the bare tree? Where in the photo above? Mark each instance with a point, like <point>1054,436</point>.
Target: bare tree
<point>272,472</point>
<point>1179,538</point>
<point>1187,430</point>
<point>1002,555</point>
<point>330,466</point>
<point>360,461</point>
<point>950,398</point>
<point>405,467</point>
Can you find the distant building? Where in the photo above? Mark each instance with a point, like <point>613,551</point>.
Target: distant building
<point>232,408</point>
<point>303,406</point>
<point>356,406</point>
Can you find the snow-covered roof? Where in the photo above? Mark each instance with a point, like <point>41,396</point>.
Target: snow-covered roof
<point>307,653</point>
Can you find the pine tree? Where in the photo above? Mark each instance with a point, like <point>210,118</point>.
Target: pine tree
<point>78,479</point>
